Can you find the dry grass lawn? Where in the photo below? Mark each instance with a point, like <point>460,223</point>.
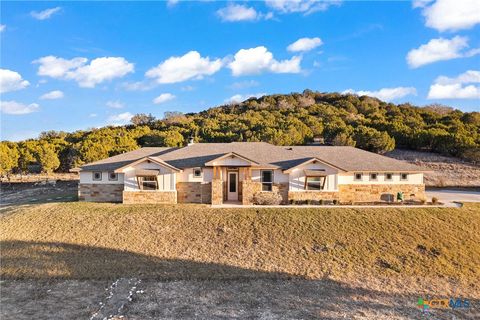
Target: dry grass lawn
<point>435,248</point>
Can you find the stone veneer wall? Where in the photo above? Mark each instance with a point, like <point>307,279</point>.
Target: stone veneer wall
<point>194,192</point>
<point>249,188</point>
<point>312,195</point>
<point>100,192</point>
<point>156,197</point>
<point>217,192</point>
<point>379,192</point>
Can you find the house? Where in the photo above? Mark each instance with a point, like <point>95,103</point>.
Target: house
<point>235,172</point>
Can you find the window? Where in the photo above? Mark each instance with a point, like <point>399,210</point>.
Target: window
<point>358,176</point>
<point>97,176</point>
<point>148,183</point>
<point>388,176</point>
<point>373,176</point>
<point>197,173</point>
<point>314,183</point>
<point>266,177</point>
<point>112,176</point>
<point>404,176</point>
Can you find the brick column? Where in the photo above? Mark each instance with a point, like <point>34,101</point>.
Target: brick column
<point>217,191</point>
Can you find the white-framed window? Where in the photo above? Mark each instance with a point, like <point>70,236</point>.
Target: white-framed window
<point>373,176</point>
<point>112,176</point>
<point>388,176</point>
<point>404,176</point>
<point>314,183</point>
<point>358,176</point>
<point>197,172</point>
<point>96,176</point>
<point>266,177</point>
<point>147,182</point>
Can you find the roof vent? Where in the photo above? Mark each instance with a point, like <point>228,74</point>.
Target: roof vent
<point>289,148</point>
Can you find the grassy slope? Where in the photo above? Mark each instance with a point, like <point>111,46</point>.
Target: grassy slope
<point>84,240</point>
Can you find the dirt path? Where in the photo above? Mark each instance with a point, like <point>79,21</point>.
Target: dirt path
<point>228,299</point>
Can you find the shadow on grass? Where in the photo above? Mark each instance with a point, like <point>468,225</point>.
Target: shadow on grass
<point>205,290</point>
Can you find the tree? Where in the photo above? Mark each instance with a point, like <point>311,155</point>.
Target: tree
<point>47,158</point>
<point>343,139</point>
<point>142,119</point>
<point>373,140</point>
<point>8,158</point>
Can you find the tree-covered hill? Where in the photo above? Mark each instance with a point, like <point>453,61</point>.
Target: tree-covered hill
<point>287,119</point>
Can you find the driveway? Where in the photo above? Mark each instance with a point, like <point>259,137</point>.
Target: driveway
<point>451,195</point>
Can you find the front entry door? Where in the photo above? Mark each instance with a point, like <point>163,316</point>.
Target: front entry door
<point>232,186</point>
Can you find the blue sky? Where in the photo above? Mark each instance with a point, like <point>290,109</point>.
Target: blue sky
<point>78,65</point>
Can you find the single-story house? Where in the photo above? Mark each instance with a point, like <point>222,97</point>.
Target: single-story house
<point>236,172</point>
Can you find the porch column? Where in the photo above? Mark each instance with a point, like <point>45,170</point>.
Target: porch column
<point>217,186</point>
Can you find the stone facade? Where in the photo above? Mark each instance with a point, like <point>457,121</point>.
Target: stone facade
<point>217,191</point>
<point>194,192</point>
<point>312,195</point>
<point>100,192</point>
<point>249,189</point>
<point>155,197</point>
<point>379,192</point>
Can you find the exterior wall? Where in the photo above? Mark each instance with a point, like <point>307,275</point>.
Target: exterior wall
<point>154,197</point>
<point>100,192</point>
<point>380,192</point>
<point>194,192</point>
<point>312,195</point>
<point>349,178</point>
<point>233,162</point>
<point>297,177</point>
<point>86,177</point>
<point>250,188</point>
<point>187,175</point>
<point>166,178</point>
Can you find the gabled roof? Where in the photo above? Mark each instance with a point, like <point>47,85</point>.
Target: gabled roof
<point>230,154</point>
<point>288,170</point>
<point>263,154</point>
<point>152,159</point>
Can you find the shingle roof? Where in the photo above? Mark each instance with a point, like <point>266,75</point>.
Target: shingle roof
<point>267,155</point>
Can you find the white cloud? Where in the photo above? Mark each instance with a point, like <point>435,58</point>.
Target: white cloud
<point>451,15</point>
<point>164,97</point>
<point>420,3</point>
<point>138,86</point>
<point>305,44</point>
<point>300,6</point>
<point>243,97</point>
<point>115,104</point>
<point>17,108</point>
<point>258,60</point>
<point>439,50</point>
<point>189,66</point>
<point>385,94</point>
<point>45,14</point>
<point>120,119</point>
<point>453,88</point>
<point>172,3</point>
<point>52,95</point>
<point>237,12</point>
<point>92,115</point>
<point>2,27</point>
<point>86,75</point>
<point>244,84</point>
<point>11,81</point>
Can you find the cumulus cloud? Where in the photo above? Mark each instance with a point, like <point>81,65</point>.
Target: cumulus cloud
<point>45,14</point>
<point>115,104</point>
<point>120,119</point>
<point>11,81</point>
<point>242,97</point>
<point>17,108</point>
<point>164,97</point>
<point>187,67</point>
<point>300,6</point>
<point>385,94</point>
<point>439,50</point>
<point>305,44</point>
<point>86,75</point>
<point>237,12</point>
<point>172,3</point>
<point>450,15</point>
<point>2,27</point>
<point>52,95</point>
<point>258,60</point>
<point>460,87</point>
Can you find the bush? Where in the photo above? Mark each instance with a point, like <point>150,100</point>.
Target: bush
<point>335,201</point>
<point>434,200</point>
<point>267,198</point>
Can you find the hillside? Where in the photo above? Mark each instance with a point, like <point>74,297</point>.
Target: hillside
<point>289,119</point>
<point>407,249</point>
